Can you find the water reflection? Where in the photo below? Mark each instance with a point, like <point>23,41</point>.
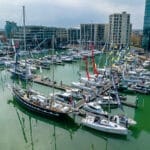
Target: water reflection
<point>29,122</point>
<point>53,130</point>
<point>141,115</point>
<point>105,136</point>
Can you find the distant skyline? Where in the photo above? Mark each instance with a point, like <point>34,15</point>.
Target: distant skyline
<point>70,13</point>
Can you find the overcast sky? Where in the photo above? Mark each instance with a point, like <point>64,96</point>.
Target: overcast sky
<point>69,13</point>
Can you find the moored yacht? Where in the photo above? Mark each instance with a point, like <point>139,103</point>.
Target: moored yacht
<point>40,104</point>
<point>104,125</point>
<point>123,120</point>
<point>95,108</point>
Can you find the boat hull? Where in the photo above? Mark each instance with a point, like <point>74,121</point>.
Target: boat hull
<point>37,109</point>
<point>104,129</point>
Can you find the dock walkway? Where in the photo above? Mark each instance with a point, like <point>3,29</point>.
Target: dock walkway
<point>49,83</point>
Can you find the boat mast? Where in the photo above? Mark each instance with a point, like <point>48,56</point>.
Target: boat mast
<point>24,39</point>
<point>53,62</point>
<point>24,29</point>
<point>52,70</point>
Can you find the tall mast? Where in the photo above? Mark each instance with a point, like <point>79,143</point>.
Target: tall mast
<point>53,40</point>
<point>24,39</point>
<point>24,29</point>
<point>52,70</point>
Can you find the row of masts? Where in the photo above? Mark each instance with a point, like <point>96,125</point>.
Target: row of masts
<point>53,86</point>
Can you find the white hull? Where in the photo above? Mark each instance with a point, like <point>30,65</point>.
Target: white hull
<point>108,128</point>
<point>95,109</point>
<point>91,82</point>
<point>81,86</point>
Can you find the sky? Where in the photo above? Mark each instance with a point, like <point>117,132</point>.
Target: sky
<point>69,13</point>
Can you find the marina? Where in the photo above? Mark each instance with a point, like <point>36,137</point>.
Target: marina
<point>73,80</point>
<point>45,83</point>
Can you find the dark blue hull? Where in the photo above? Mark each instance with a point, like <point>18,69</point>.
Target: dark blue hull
<point>37,109</point>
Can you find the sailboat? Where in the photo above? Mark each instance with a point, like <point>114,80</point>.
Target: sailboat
<point>17,70</point>
<point>40,104</point>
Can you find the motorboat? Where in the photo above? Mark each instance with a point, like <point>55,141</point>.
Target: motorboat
<point>123,120</point>
<point>104,125</point>
<point>94,107</point>
<point>107,101</point>
<point>94,81</point>
<point>76,93</point>
<point>81,86</point>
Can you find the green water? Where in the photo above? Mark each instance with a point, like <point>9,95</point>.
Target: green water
<point>22,130</point>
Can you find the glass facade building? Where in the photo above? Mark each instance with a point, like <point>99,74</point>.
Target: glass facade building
<point>40,36</point>
<point>92,33</point>
<point>146,29</point>
<point>73,35</point>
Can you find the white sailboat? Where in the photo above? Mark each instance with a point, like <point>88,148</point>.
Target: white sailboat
<point>40,104</point>
<point>17,70</point>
